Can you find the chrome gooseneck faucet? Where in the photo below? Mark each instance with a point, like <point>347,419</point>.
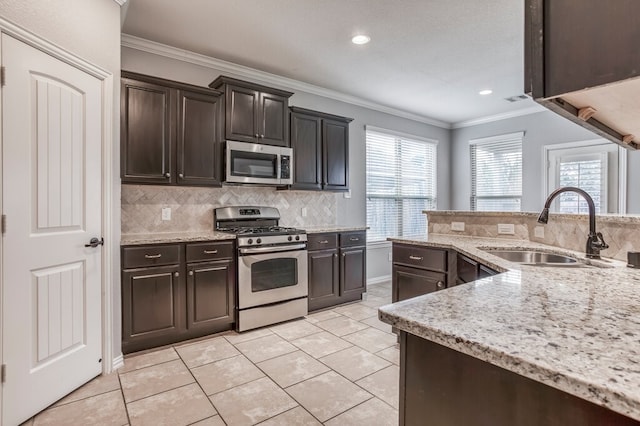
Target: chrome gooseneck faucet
<point>595,243</point>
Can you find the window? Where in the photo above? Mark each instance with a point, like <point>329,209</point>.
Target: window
<point>589,165</point>
<point>496,173</point>
<point>401,183</point>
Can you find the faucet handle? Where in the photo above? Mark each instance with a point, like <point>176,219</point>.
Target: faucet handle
<point>599,242</point>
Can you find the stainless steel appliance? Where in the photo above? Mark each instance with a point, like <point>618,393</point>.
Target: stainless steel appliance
<point>272,265</point>
<point>260,164</point>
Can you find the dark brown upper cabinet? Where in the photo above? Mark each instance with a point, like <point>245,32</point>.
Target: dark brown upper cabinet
<point>254,113</point>
<point>170,132</point>
<point>320,145</point>
<point>582,60</point>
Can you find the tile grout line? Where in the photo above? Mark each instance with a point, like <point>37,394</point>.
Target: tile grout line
<point>124,401</point>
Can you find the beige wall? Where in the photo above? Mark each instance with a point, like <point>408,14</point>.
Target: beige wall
<point>90,29</point>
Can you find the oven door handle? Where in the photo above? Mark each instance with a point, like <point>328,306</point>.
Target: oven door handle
<point>255,250</point>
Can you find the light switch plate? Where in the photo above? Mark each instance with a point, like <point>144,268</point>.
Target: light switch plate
<point>457,226</point>
<point>506,228</point>
<point>166,213</point>
<point>538,232</point>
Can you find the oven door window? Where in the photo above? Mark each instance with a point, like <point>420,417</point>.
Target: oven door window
<point>274,273</point>
<point>254,164</point>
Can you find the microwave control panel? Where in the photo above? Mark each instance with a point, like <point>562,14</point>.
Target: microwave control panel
<point>285,167</point>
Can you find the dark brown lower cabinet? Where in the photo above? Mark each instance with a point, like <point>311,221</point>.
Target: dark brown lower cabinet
<point>324,278</point>
<point>441,386</point>
<point>152,301</point>
<point>411,282</point>
<point>210,296</point>
<point>166,299</point>
<point>337,268</point>
<point>468,270</point>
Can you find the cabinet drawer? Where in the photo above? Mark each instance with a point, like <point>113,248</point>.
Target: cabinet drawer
<point>156,255</point>
<point>322,241</point>
<point>358,238</point>
<point>197,252</point>
<point>421,257</point>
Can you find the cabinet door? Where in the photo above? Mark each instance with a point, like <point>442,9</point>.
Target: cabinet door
<point>241,114</point>
<point>147,127</point>
<point>324,280</point>
<point>199,154</point>
<point>412,282</point>
<point>210,296</point>
<point>152,313</point>
<point>335,156</point>
<point>273,120</point>
<point>467,269</point>
<point>353,272</point>
<point>306,141</point>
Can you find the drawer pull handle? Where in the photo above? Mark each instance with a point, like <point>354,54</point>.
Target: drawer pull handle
<point>415,258</point>
<point>153,256</point>
<point>323,242</point>
<point>354,239</point>
<point>210,251</point>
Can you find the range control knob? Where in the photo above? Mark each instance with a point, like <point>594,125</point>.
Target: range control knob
<point>289,238</point>
<point>250,241</point>
<point>258,241</point>
<point>297,237</point>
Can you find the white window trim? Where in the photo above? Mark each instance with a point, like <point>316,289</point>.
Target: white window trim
<point>622,168</point>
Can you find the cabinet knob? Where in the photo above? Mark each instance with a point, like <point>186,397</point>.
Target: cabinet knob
<point>167,175</point>
<point>335,255</point>
<point>190,273</point>
<point>440,284</point>
<point>344,254</point>
<point>262,136</point>
<point>181,175</point>
<point>176,274</point>
<point>257,135</point>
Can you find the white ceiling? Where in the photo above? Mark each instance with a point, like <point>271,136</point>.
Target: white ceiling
<point>426,57</point>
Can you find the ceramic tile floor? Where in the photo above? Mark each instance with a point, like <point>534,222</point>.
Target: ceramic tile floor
<point>335,367</point>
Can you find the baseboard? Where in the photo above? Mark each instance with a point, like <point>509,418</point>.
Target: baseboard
<point>118,362</point>
<point>378,280</point>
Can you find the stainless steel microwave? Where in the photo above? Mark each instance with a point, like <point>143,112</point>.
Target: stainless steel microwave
<point>260,164</point>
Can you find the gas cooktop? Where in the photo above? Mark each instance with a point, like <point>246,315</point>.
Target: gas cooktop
<point>262,230</point>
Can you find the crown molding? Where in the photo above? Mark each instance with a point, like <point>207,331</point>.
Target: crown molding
<point>171,52</point>
<point>497,117</point>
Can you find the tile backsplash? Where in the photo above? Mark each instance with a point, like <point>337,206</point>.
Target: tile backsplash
<point>192,207</point>
<point>568,231</point>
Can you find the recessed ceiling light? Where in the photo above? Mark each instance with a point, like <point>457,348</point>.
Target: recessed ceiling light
<point>485,92</point>
<point>361,39</point>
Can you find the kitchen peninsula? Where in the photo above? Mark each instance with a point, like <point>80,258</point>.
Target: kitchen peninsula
<point>532,345</point>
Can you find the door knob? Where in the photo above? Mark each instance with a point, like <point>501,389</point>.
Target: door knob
<point>94,242</point>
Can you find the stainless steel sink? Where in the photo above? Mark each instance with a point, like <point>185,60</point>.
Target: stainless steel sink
<point>533,257</point>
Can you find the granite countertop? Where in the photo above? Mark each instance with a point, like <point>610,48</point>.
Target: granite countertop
<point>173,237</point>
<point>575,329</point>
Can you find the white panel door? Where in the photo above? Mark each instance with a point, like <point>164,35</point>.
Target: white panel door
<point>51,189</point>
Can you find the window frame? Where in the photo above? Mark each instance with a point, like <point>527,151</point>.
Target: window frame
<point>398,136</point>
<point>503,138</point>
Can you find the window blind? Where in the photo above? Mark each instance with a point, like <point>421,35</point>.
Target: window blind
<point>588,174</point>
<point>496,173</point>
<point>401,183</point>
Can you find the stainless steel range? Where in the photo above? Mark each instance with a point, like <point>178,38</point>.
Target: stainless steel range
<point>272,265</point>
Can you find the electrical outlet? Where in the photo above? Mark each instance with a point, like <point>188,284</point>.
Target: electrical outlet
<point>506,228</point>
<point>347,194</point>
<point>166,213</point>
<point>303,212</point>
<point>538,232</point>
<point>457,226</point>
<point>390,257</point>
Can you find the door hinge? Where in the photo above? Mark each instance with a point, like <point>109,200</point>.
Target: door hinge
<point>2,77</point>
<point>3,373</point>
<point>4,223</point>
